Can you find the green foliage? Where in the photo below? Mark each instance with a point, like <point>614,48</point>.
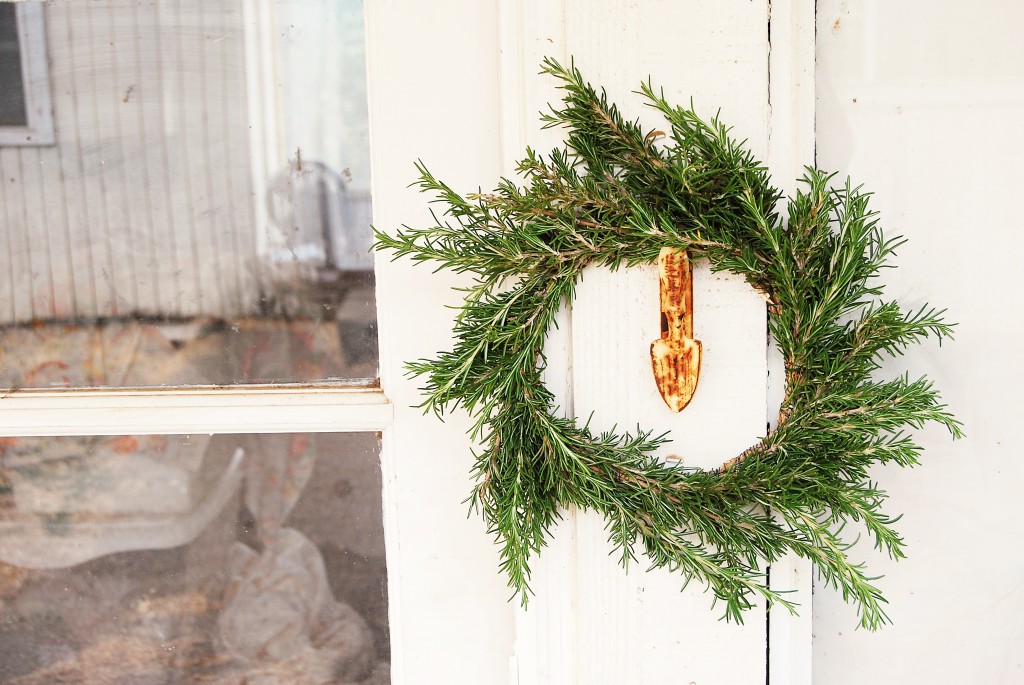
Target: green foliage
<point>615,195</point>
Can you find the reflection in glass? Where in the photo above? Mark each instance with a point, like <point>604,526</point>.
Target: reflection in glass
<point>204,216</point>
<point>186,559</point>
<point>12,87</point>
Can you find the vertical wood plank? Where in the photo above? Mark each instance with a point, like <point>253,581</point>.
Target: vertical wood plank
<point>235,130</point>
<point>886,110</point>
<point>155,40</point>
<point>70,281</point>
<point>547,632</point>
<point>7,279</point>
<point>638,627</point>
<point>790,148</point>
<point>226,36</point>
<point>17,240</point>
<point>216,41</point>
<point>95,144</point>
<point>149,96</point>
<point>68,123</point>
<point>167,69</point>
<point>50,188</point>
<point>114,233</point>
<point>181,73</point>
<point>615,317</point>
<point>36,226</point>
<point>205,205</point>
<point>113,26</point>
<point>136,205</point>
<point>413,115</point>
<point>264,131</point>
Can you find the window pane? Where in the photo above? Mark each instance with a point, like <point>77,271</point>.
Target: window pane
<point>207,198</point>
<point>12,88</point>
<point>192,559</point>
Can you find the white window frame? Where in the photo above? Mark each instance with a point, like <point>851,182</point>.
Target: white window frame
<point>35,77</point>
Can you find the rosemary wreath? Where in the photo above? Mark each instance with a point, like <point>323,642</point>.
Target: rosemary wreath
<point>614,196</point>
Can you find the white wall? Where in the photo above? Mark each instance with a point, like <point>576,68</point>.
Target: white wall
<point>925,105</point>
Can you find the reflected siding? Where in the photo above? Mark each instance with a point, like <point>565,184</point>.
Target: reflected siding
<point>145,205</point>
<point>207,187</point>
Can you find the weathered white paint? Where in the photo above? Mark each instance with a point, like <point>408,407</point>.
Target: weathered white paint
<point>924,104</point>
<point>547,645</point>
<point>589,622</point>
<point>639,627</point>
<point>433,96</point>
<point>790,149</point>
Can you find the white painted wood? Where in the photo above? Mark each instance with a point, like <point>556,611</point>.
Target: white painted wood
<point>199,43</point>
<point>93,146</point>
<point>434,96</point>
<point>639,628</point>
<point>547,636</point>
<point>790,149</point>
<point>18,237</point>
<point>256,409</point>
<point>933,125</point>
<point>171,132</point>
<point>115,244</point>
<point>589,621</point>
<point>613,327</point>
<point>7,278</point>
<point>145,94</point>
<point>36,221</point>
<point>134,214</point>
<point>264,129</point>
<point>239,162</point>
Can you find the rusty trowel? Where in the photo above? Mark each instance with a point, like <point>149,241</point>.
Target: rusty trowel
<point>675,356</point>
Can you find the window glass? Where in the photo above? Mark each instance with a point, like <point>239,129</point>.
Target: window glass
<point>204,216</point>
<point>12,87</point>
<point>192,559</point>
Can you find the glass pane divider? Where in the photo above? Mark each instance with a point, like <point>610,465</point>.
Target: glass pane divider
<point>194,410</point>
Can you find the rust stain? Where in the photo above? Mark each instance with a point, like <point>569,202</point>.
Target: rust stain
<point>125,444</point>
<point>675,356</point>
<point>837,25</point>
<point>297,164</point>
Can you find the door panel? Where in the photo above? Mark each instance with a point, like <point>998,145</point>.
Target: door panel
<point>926,108</point>
<point>591,622</point>
<point>455,85</point>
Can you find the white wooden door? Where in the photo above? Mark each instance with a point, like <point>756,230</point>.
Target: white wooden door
<point>924,104</point>
<point>453,83</point>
